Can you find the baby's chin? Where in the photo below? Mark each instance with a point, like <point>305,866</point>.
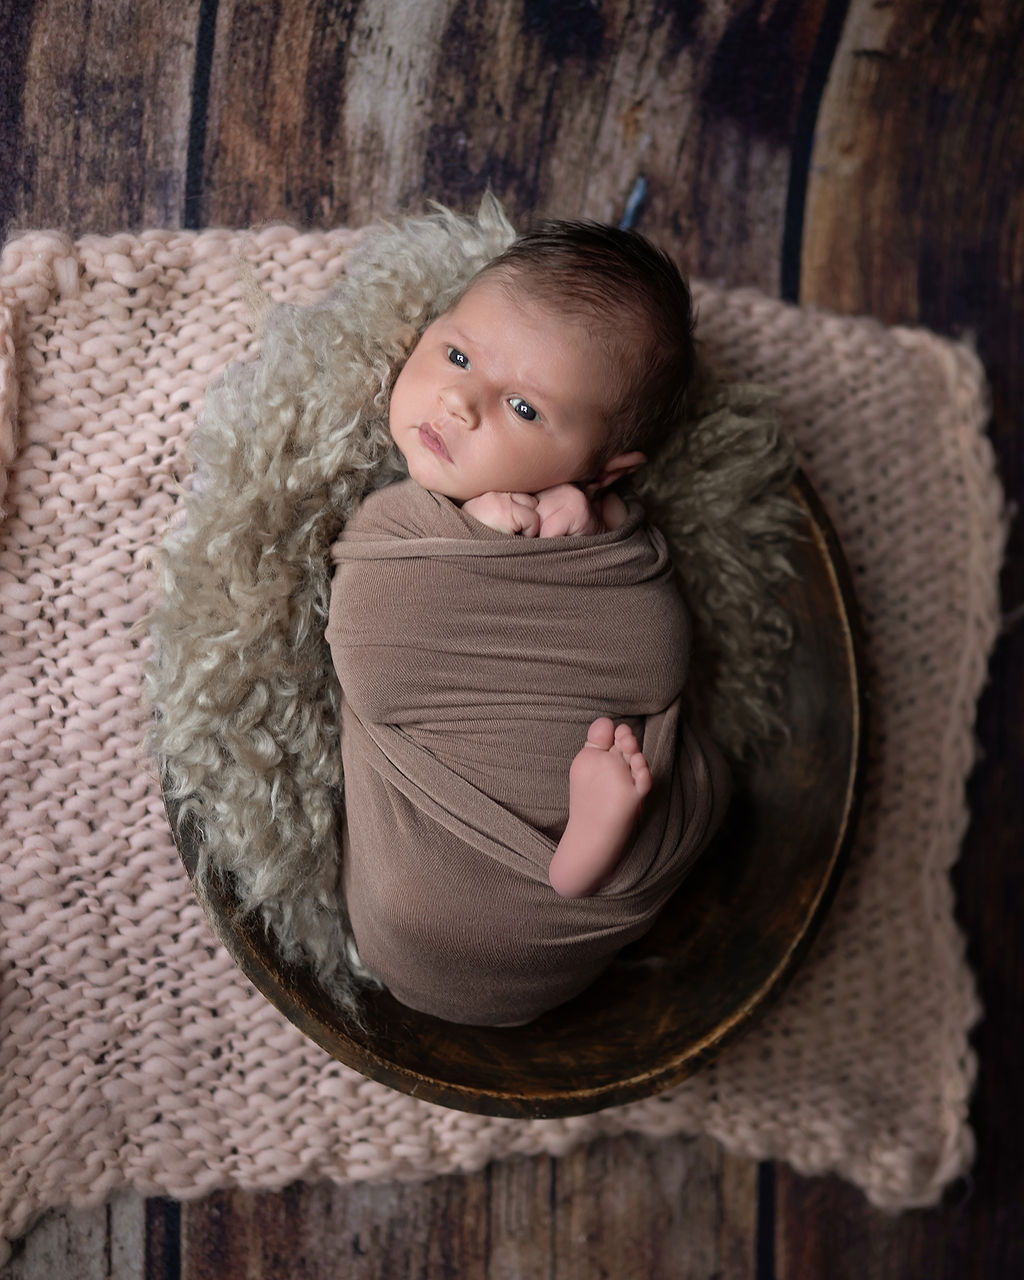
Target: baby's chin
<point>428,480</point>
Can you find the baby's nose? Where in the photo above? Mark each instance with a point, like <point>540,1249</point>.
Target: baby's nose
<point>460,403</point>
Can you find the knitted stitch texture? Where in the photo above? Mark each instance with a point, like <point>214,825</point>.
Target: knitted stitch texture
<point>133,1053</point>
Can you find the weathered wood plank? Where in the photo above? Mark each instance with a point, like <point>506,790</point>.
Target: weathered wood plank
<point>915,204</point>
<point>915,212</point>
<point>106,1243</point>
<point>163,1239</point>
<point>326,115</point>
<point>97,99</point>
<point>624,1207</point>
<point>826,1229</point>
<point>690,1213</point>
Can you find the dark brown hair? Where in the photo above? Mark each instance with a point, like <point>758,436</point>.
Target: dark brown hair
<point>631,296</point>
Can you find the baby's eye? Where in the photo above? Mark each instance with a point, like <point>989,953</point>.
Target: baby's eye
<point>458,357</point>
<point>523,408</point>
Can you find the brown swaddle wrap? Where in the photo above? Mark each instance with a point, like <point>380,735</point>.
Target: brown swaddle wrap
<point>472,664</point>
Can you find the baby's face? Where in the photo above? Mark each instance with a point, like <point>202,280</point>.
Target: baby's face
<point>502,394</point>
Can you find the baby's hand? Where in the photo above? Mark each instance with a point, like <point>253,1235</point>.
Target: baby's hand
<point>565,509</point>
<point>506,512</point>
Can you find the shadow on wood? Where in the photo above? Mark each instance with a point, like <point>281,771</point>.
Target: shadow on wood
<point>722,947</point>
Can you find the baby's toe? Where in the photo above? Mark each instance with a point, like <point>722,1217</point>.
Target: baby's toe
<point>601,734</point>
<point>638,767</point>
<point>625,740</point>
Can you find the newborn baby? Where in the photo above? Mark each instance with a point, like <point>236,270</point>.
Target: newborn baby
<point>522,791</point>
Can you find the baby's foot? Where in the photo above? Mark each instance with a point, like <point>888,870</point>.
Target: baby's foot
<point>608,781</point>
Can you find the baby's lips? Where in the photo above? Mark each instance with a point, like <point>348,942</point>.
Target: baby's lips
<point>434,441</point>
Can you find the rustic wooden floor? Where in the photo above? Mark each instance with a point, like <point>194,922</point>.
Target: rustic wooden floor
<point>862,154</point>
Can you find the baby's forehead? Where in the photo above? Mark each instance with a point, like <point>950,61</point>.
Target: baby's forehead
<point>565,296</point>
<point>609,326</point>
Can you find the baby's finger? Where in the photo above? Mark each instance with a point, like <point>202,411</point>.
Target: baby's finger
<point>524,516</point>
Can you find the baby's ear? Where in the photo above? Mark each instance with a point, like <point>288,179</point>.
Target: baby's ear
<point>615,468</point>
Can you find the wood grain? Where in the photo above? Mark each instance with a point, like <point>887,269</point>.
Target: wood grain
<point>96,119</point>
<point>572,1218</point>
<point>320,114</point>
<point>105,1243</point>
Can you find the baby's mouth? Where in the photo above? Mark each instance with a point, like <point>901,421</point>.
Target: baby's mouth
<point>433,441</point>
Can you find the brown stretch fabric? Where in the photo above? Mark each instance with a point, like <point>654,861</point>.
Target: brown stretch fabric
<point>473,663</point>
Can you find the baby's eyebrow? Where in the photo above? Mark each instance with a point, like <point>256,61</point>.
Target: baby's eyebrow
<point>456,332</point>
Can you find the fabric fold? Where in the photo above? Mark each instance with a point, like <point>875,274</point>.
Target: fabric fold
<point>472,664</point>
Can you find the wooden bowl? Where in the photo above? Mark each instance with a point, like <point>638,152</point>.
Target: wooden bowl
<point>721,949</point>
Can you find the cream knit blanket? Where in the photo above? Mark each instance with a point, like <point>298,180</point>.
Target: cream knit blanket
<point>133,1053</point>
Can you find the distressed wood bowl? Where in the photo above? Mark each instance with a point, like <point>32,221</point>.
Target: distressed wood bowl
<point>722,948</point>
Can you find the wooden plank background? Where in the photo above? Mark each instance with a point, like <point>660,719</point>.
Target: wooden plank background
<point>861,154</point>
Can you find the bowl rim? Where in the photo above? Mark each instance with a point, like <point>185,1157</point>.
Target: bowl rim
<point>258,957</point>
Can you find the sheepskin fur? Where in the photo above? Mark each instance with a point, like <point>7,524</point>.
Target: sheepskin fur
<point>244,696</point>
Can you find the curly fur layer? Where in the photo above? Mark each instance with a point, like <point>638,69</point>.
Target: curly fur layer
<point>718,492</point>
<point>244,695</point>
